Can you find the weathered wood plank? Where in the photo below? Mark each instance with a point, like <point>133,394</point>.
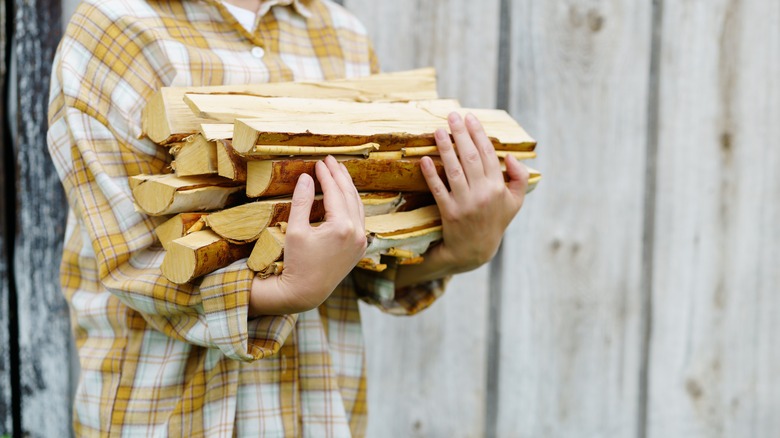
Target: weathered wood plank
<point>715,353</point>
<point>571,306</point>
<point>438,358</point>
<point>44,331</point>
<point>6,208</point>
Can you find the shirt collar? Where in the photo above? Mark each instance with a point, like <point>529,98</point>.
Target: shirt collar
<point>300,6</point>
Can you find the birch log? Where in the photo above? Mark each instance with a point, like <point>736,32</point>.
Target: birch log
<point>44,330</point>
<point>571,309</point>
<point>438,358</point>
<point>715,353</point>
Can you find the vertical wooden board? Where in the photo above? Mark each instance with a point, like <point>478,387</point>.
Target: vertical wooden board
<point>5,209</point>
<point>427,374</point>
<point>458,37</point>
<point>44,330</point>
<point>715,353</point>
<point>571,339</point>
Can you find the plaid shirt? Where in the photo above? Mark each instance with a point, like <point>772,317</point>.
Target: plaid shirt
<point>164,359</point>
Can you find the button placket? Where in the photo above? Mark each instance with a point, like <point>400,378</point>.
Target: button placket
<point>257,52</point>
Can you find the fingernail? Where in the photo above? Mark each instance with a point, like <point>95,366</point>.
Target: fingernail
<point>440,134</point>
<point>470,118</point>
<point>304,180</point>
<point>454,117</point>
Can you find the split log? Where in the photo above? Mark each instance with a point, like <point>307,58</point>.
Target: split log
<point>229,164</point>
<point>404,235</point>
<point>177,226</point>
<point>195,156</point>
<point>167,118</point>
<point>412,245</point>
<point>268,249</point>
<point>158,195</point>
<point>288,121</point>
<point>245,223</point>
<point>403,222</point>
<point>198,254</point>
<point>278,177</point>
<point>216,131</point>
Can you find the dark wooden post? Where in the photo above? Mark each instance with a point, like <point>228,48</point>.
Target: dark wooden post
<point>44,332</point>
<point>5,352</point>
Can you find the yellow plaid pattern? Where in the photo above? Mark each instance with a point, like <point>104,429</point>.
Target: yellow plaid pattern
<point>164,359</point>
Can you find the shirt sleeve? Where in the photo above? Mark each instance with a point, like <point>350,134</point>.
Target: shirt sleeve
<point>93,141</point>
<point>378,289</point>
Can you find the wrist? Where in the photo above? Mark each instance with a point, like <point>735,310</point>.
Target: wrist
<point>266,297</point>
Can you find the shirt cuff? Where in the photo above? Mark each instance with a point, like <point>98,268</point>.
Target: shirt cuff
<point>225,298</point>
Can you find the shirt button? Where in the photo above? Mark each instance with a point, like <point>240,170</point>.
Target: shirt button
<point>258,52</point>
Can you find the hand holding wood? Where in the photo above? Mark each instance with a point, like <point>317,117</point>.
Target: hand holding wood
<point>479,205</point>
<point>316,258</point>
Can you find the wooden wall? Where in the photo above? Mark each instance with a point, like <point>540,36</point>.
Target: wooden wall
<point>635,295</point>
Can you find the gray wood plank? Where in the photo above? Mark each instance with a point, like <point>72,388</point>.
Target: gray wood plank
<point>44,330</point>
<point>6,208</point>
<point>427,374</point>
<point>715,353</point>
<point>571,338</point>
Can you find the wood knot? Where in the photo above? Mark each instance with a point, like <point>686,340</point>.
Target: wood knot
<point>694,389</point>
<point>595,20</point>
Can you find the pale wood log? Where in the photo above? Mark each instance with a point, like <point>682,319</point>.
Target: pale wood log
<point>166,118</point>
<point>216,131</point>
<point>278,177</point>
<point>404,235</point>
<point>229,164</point>
<point>158,195</point>
<point>176,227</point>
<point>195,156</point>
<point>714,353</point>
<point>198,254</point>
<point>393,126</point>
<point>245,223</point>
<point>403,222</point>
<point>413,244</point>
<point>571,309</point>
<point>268,249</point>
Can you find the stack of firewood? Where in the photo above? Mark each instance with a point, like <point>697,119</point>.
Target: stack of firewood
<point>239,150</point>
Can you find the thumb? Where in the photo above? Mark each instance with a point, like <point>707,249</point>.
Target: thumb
<point>302,200</point>
<point>518,177</point>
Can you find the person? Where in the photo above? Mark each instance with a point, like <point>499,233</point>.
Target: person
<point>234,354</point>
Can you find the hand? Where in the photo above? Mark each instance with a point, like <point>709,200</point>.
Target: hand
<point>480,205</point>
<point>317,258</point>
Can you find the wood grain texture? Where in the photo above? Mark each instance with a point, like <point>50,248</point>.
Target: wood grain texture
<point>715,352</point>
<point>571,308</point>
<point>433,365</point>
<point>6,207</point>
<point>44,329</point>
